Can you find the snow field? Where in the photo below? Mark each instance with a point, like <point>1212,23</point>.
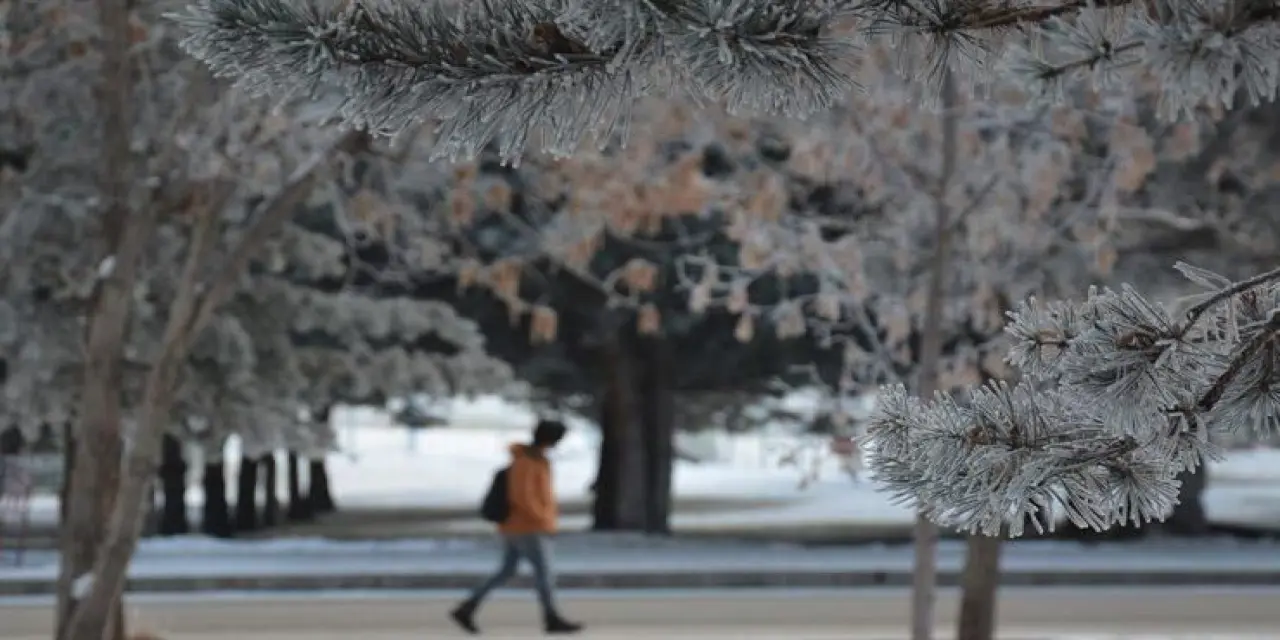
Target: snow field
<point>383,466</point>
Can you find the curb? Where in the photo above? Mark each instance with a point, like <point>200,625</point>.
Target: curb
<point>649,580</point>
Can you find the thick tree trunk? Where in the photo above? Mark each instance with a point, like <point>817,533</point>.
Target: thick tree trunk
<point>1188,517</point>
<point>620,501</point>
<point>657,412</point>
<point>979,584</point>
<point>247,495</point>
<point>11,440</point>
<point>216,519</point>
<point>271,498</point>
<point>604,507</point>
<point>299,506</point>
<point>173,486</point>
<point>319,495</point>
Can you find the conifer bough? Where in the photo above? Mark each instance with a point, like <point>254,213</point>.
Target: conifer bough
<point>1118,397</point>
<point>567,71</point>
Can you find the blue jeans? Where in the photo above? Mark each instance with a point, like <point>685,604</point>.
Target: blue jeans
<point>535,549</point>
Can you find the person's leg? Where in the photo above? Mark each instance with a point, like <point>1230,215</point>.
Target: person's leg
<point>507,569</point>
<point>535,549</point>
<point>464,614</point>
<point>538,551</point>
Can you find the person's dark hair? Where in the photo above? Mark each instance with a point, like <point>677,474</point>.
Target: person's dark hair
<point>548,433</point>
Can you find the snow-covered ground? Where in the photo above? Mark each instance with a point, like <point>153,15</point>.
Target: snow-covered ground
<point>385,467</point>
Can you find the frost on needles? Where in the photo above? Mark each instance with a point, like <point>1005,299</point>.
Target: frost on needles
<point>508,70</point>
<point>1117,397</point>
<point>554,74</point>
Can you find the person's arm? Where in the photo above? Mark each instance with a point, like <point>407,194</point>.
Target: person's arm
<point>546,499</point>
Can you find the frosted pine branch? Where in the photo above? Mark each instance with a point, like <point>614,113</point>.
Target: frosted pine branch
<point>557,73</point>
<point>508,70</point>
<point>484,71</point>
<point>1120,398</point>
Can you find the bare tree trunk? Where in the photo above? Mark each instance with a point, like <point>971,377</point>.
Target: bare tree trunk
<point>299,507</point>
<point>604,506</point>
<point>980,579</point>
<point>173,483</point>
<point>216,519</point>
<point>270,497</point>
<point>620,481</point>
<point>1188,517</point>
<point>92,487</point>
<point>979,583</point>
<point>319,497</point>
<point>924,579</point>
<point>247,495</point>
<point>657,411</point>
<point>65,577</point>
<point>101,609</point>
<point>11,439</point>
<point>68,467</point>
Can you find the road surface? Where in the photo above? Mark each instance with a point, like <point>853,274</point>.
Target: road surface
<point>1025,614</point>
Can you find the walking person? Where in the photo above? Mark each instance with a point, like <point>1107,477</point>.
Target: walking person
<point>523,505</point>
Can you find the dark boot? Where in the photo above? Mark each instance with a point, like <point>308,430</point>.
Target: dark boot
<point>557,625</point>
<point>464,615</point>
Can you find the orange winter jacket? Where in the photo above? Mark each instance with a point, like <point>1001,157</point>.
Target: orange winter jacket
<point>533,505</point>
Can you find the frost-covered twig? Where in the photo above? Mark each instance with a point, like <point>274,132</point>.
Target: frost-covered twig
<point>1195,313</point>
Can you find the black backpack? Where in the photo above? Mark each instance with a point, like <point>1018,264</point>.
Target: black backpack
<point>496,506</point>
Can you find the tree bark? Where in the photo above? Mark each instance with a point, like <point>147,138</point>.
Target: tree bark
<point>216,519</point>
<point>657,413</point>
<point>604,506</point>
<point>299,506</point>
<point>271,498</point>
<point>173,485</point>
<point>620,500</point>
<point>92,489</point>
<point>979,584</point>
<point>68,467</point>
<point>319,496</point>
<point>924,579</point>
<point>247,495</point>
<point>101,608</point>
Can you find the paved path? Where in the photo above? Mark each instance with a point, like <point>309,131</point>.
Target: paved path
<point>1026,614</point>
